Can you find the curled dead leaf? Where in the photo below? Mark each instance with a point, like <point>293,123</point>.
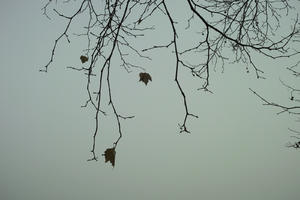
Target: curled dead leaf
<point>110,155</point>
<point>84,59</point>
<point>145,77</point>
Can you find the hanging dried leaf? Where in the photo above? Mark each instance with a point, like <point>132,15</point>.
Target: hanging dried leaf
<point>83,59</point>
<point>110,155</point>
<point>145,77</point>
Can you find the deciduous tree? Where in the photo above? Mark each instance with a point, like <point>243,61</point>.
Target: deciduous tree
<point>244,28</point>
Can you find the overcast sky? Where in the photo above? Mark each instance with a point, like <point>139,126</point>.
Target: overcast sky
<point>236,149</point>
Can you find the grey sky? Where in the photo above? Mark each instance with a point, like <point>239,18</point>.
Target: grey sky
<point>236,149</point>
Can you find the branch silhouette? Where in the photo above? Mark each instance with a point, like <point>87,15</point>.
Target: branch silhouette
<point>244,28</point>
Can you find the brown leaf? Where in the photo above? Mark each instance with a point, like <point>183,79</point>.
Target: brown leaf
<point>83,59</point>
<point>145,77</point>
<point>110,155</point>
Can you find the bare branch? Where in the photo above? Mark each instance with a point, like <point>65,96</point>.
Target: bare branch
<point>228,32</point>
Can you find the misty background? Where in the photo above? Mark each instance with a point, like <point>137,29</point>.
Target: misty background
<point>236,149</point>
